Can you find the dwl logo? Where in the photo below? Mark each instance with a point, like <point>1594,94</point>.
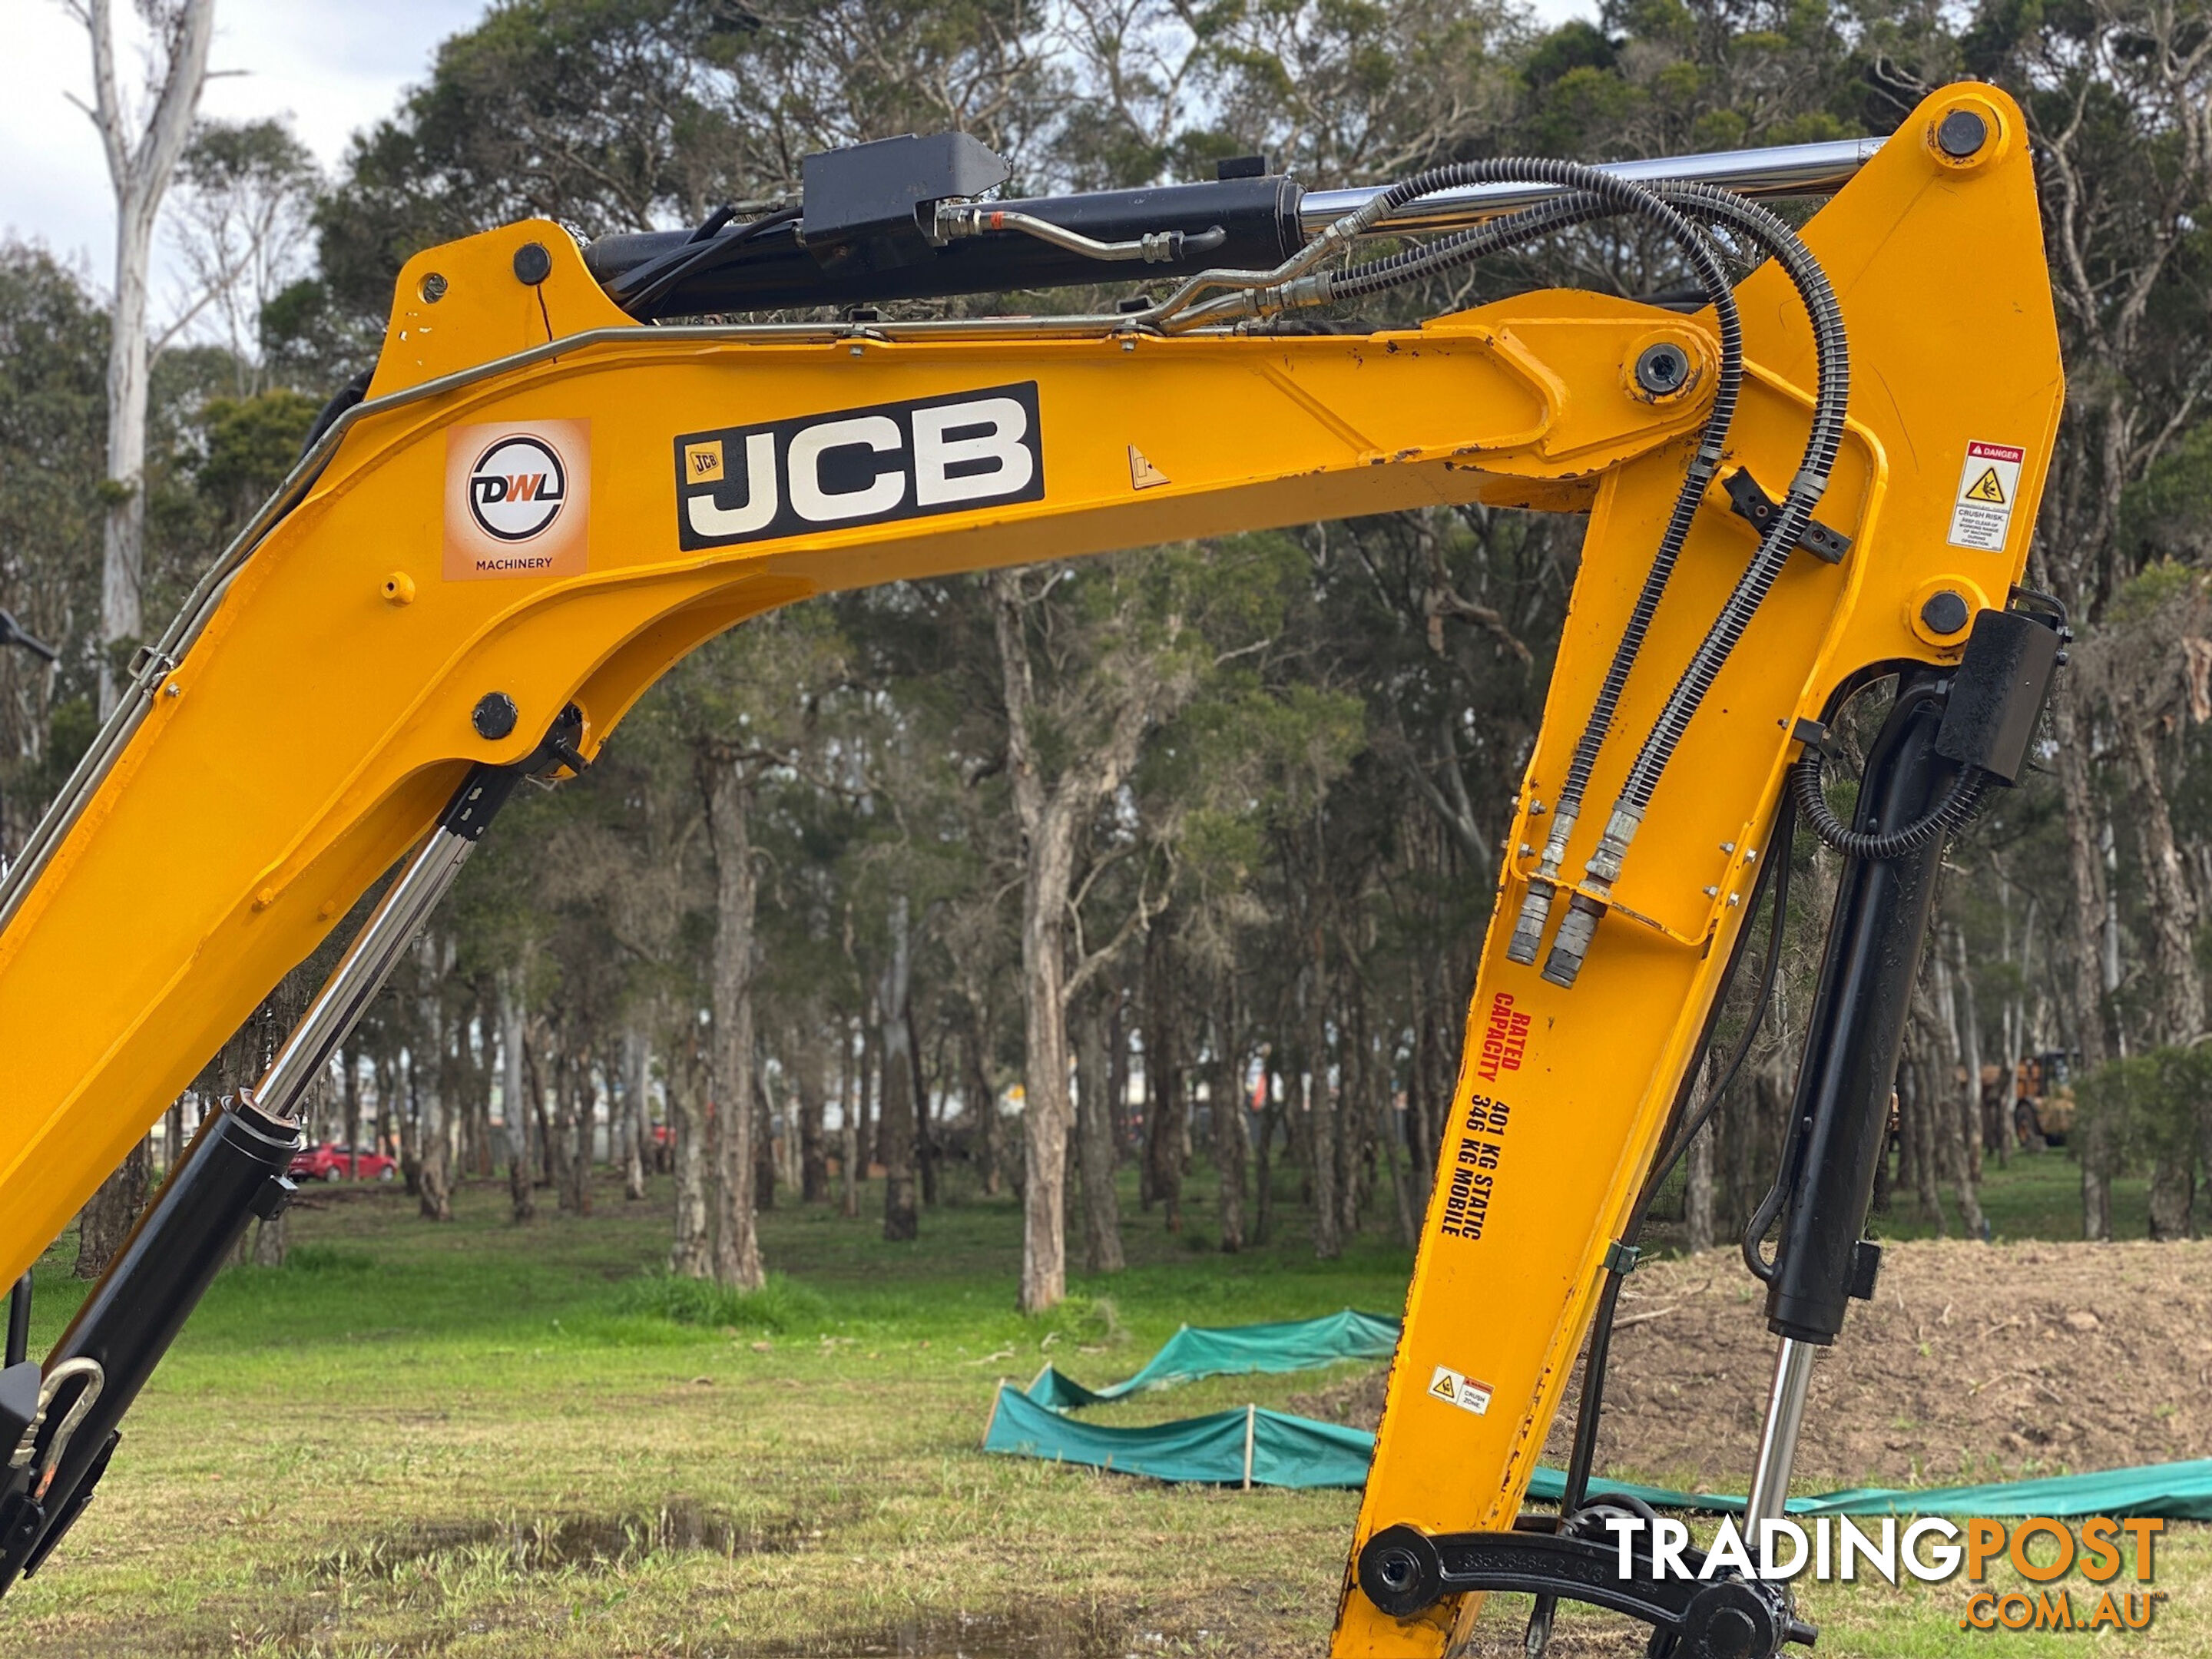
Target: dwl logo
<point>517,488</point>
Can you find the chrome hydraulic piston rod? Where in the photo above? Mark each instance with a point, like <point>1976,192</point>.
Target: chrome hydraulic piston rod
<point>1777,1439</point>
<point>1819,169</point>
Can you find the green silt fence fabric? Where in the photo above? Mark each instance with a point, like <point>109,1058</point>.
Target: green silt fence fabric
<point>1248,1446</point>
<point>2176,1492</point>
<point>1255,1447</point>
<point>1193,1352</point>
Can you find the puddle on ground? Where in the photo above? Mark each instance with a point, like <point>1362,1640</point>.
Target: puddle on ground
<point>556,1543</point>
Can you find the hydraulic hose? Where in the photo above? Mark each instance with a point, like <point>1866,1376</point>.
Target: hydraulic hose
<point>1409,265</point>
<point>1593,195</point>
<point>1947,814</point>
<point>1831,400</point>
<point>638,291</point>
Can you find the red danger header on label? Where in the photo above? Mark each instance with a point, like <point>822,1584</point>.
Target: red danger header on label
<point>1981,452</point>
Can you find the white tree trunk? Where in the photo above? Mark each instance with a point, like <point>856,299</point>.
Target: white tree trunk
<point>1052,814</point>
<point>1050,1110</point>
<point>139,168</point>
<point>729,809</point>
<point>521,1173</point>
<point>140,161</point>
<point>690,1255</point>
<point>637,1064</point>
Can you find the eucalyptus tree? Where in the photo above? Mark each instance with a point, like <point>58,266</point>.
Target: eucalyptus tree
<point>242,219</point>
<point>142,139</point>
<point>749,705</point>
<point>53,343</point>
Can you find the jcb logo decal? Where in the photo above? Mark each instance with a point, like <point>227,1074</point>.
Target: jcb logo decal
<point>859,466</point>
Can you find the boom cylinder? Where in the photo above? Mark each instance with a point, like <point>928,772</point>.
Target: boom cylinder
<point>1244,223</point>
<point>233,1170</point>
<point>1840,1114</point>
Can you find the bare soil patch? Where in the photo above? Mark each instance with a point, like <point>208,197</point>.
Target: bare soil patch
<point>1973,1363</point>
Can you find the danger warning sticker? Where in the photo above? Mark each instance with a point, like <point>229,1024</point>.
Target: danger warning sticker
<point>1989,483</point>
<point>1463,1392</point>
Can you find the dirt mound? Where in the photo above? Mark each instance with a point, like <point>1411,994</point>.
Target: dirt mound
<point>1973,1363</point>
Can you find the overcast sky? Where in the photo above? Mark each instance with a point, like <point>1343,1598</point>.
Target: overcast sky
<point>333,66</point>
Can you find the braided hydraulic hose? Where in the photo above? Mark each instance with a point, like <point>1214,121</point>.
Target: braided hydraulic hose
<point>1947,814</point>
<point>1562,212</point>
<point>1831,399</point>
<point>1576,209</point>
<point>1593,195</point>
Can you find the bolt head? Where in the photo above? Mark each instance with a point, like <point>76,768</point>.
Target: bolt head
<point>1946,612</point>
<point>433,288</point>
<point>532,264</point>
<point>1663,369</point>
<point>495,716</point>
<point>1962,134</point>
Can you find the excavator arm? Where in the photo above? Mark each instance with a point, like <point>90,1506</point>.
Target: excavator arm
<point>546,499</point>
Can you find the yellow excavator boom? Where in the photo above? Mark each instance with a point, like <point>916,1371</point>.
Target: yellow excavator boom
<point>543,505</point>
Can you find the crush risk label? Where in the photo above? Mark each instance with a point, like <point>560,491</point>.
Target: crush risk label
<point>1457,1388</point>
<point>1989,484</point>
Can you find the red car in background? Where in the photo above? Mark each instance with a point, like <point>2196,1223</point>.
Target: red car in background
<point>332,1162</point>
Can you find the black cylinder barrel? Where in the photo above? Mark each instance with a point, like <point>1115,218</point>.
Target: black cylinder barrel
<point>1258,217</point>
<point>226,1177</point>
<point>1840,1115</point>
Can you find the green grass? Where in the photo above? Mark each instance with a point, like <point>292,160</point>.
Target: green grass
<point>779,1305</point>
<point>2039,1196</point>
<point>477,1439</point>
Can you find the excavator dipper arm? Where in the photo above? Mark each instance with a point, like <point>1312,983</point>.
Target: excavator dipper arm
<point>542,505</point>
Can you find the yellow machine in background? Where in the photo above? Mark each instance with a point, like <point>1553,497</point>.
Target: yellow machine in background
<point>1826,476</point>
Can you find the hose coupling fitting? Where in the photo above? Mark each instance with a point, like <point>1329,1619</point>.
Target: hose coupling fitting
<point>1571,947</point>
<point>1529,926</point>
<point>1621,829</point>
